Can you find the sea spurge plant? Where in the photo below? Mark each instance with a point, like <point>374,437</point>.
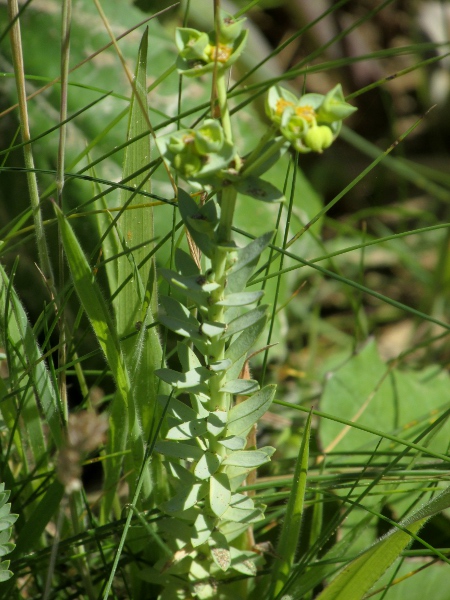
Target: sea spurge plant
<point>212,409</point>
<point>310,123</point>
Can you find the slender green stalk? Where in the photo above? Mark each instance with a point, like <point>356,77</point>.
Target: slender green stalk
<point>16,46</point>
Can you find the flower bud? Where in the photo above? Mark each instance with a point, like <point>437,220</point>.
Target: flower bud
<point>229,27</point>
<point>192,44</point>
<point>318,138</point>
<point>334,107</point>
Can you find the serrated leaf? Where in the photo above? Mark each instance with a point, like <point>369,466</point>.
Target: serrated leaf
<point>241,298</point>
<point>216,422</point>
<point>242,387</point>
<point>219,493</point>
<point>245,321</point>
<point>244,415</point>
<point>249,459</point>
<point>187,497</point>
<point>234,442</point>
<point>187,431</point>
<point>259,190</point>
<point>207,465</point>
<point>202,529</point>
<point>178,450</point>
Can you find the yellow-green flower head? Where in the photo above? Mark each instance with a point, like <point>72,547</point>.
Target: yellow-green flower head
<point>200,52</point>
<point>209,138</point>
<point>198,154</point>
<point>311,122</point>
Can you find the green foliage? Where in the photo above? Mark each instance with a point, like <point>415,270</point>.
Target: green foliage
<point>194,287</point>
<point>7,520</point>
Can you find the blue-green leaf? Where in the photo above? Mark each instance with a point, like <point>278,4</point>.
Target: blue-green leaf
<point>244,415</point>
<point>187,497</point>
<point>249,459</point>
<point>219,493</point>
<point>245,321</point>
<point>207,465</point>
<point>178,450</point>
<point>241,298</point>
<point>187,431</point>
<point>242,387</point>
<point>259,189</point>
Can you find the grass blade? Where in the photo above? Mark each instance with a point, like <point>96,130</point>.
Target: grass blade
<point>290,533</point>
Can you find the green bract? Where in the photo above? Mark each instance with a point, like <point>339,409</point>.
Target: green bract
<point>311,122</point>
<point>199,52</point>
<point>198,154</point>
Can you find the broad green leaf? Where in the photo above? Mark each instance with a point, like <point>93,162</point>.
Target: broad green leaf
<point>212,330</point>
<point>193,380</point>
<point>185,264</point>
<point>242,387</point>
<point>220,550</point>
<point>243,561</point>
<point>178,450</point>
<point>97,311</point>
<point>194,286</point>
<point>216,422</point>
<point>245,321</point>
<point>187,497</point>
<point>247,260</point>
<point>361,574</point>
<point>241,298</point>
<point>259,190</point>
<point>207,465</point>
<point>249,458</point>
<point>136,302</point>
<point>219,493</point>
<point>242,510</point>
<point>220,365</point>
<point>178,410</point>
<point>244,415</point>
<point>234,442</point>
<point>240,346</point>
<point>177,318</point>
<point>202,529</point>
<point>188,430</point>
